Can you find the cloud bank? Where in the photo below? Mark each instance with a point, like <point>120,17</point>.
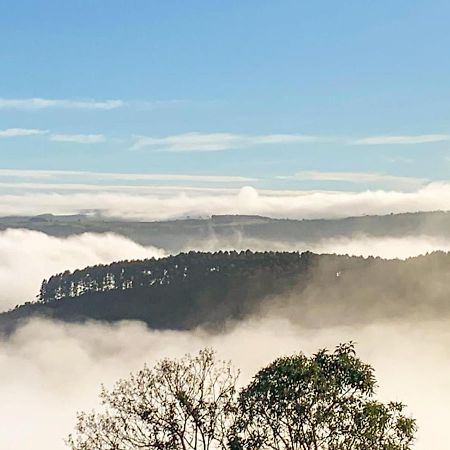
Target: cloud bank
<point>51,370</point>
<point>166,202</point>
<point>358,245</point>
<point>27,257</point>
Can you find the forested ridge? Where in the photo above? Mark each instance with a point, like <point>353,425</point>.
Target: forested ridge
<point>233,230</point>
<point>186,268</point>
<point>210,289</point>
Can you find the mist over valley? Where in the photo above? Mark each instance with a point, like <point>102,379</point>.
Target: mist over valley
<point>96,324</point>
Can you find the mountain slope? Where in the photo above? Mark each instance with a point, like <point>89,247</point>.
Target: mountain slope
<point>180,235</point>
<point>210,289</point>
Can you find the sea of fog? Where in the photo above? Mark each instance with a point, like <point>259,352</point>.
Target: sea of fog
<point>50,370</point>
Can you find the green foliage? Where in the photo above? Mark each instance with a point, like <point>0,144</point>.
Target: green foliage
<point>319,403</point>
<point>324,402</point>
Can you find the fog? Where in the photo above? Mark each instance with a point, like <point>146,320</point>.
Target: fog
<point>27,257</point>
<point>386,247</point>
<point>358,245</point>
<point>50,370</point>
<point>156,203</point>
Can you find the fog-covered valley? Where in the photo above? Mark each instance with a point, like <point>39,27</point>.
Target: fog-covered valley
<point>69,243</point>
<point>51,369</point>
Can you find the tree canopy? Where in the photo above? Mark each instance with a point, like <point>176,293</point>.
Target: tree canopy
<point>179,404</point>
<point>210,289</point>
<point>322,402</point>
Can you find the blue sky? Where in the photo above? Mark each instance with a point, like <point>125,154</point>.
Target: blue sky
<point>276,94</point>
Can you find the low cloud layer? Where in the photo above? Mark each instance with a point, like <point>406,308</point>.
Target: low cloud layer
<point>51,370</point>
<point>358,245</point>
<point>27,257</point>
<point>165,202</point>
<point>386,247</point>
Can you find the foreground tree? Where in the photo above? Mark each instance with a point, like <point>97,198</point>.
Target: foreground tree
<point>320,403</point>
<point>180,404</point>
<point>325,402</point>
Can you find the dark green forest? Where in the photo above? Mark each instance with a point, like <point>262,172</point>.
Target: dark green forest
<point>211,289</point>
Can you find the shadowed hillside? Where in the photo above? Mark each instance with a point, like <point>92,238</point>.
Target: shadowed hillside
<point>209,289</point>
<point>179,235</point>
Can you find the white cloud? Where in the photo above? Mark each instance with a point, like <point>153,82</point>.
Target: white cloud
<point>384,247</point>
<point>358,245</point>
<point>284,139</point>
<point>195,141</point>
<point>44,103</point>
<point>16,132</point>
<point>27,257</point>
<point>42,359</point>
<point>165,202</point>
<point>46,174</point>
<point>21,272</point>
<point>119,188</point>
<point>172,177</point>
<point>357,177</point>
<point>78,138</point>
<point>402,140</point>
<point>208,142</point>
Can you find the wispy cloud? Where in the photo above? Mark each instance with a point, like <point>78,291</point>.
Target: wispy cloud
<point>402,140</point>
<point>47,174</point>
<point>357,177</point>
<point>37,103</point>
<point>16,132</point>
<point>79,138</point>
<point>208,142</point>
<point>141,189</point>
<point>195,141</point>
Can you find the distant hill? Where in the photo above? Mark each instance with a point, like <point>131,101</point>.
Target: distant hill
<point>184,234</point>
<point>211,289</point>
